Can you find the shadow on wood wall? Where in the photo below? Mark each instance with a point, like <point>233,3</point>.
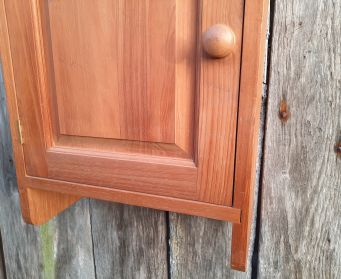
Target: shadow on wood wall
<point>299,214</point>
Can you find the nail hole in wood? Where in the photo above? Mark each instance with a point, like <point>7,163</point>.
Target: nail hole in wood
<point>338,148</point>
<point>284,113</point>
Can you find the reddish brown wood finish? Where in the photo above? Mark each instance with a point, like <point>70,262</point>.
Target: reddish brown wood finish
<point>218,40</point>
<point>213,211</point>
<point>186,166</point>
<point>202,172</point>
<point>248,125</point>
<point>110,52</point>
<point>217,105</point>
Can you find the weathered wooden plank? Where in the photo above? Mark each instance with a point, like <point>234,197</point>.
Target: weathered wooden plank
<point>2,263</point>
<point>73,242</point>
<point>301,210</point>
<point>61,248</point>
<point>199,247</point>
<point>129,242</point>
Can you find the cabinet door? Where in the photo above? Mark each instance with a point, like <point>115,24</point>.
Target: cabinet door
<point>120,95</point>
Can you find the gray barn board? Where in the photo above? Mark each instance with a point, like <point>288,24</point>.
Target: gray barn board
<point>297,231</point>
<point>129,242</point>
<point>2,263</point>
<point>300,232</point>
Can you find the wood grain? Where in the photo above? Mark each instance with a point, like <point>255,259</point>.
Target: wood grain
<point>200,248</point>
<point>212,211</point>
<point>217,109</point>
<point>194,253</point>
<point>44,205</point>
<point>132,147</point>
<point>2,261</point>
<point>73,245</point>
<point>187,13</point>
<point>127,45</point>
<point>115,50</point>
<point>158,176</point>
<point>129,242</point>
<point>33,204</point>
<point>60,249</point>
<point>217,106</point>
<point>21,80</point>
<point>209,179</point>
<point>254,38</point>
<point>63,247</point>
<point>301,210</point>
<point>11,232</point>
<point>132,106</point>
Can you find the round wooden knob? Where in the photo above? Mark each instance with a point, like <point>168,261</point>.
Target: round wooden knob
<point>218,41</point>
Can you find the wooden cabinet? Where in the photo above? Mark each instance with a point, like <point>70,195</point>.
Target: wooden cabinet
<point>145,102</point>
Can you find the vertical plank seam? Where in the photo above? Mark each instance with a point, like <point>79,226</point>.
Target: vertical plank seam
<point>168,245</point>
<point>92,237</point>
<point>2,257</point>
<point>265,103</point>
<point>3,116</point>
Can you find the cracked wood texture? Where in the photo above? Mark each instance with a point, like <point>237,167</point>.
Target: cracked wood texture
<point>300,233</point>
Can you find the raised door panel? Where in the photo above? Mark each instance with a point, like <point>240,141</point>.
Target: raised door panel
<point>115,66</point>
<point>122,96</point>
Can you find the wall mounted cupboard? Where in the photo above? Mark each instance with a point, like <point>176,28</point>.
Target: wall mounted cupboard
<point>152,103</point>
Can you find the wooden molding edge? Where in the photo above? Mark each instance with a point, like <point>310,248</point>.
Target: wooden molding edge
<point>207,210</point>
<point>254,36</point>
